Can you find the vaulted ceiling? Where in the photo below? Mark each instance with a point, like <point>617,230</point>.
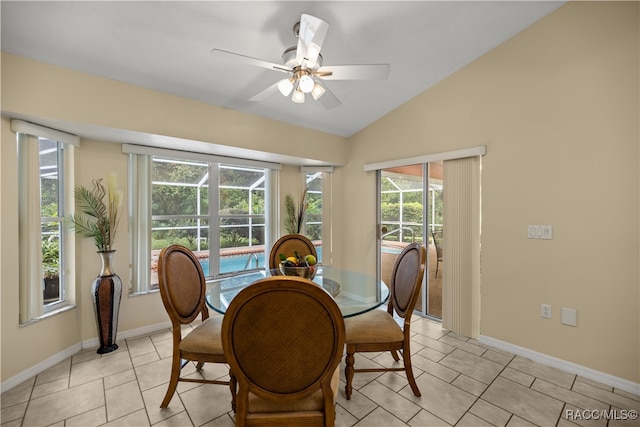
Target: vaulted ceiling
<point>166,46</point>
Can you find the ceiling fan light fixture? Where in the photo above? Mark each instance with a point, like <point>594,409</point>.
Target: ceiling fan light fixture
<point>298,96</point>
<point>317,91</point>
<point>306,83</point>
<point>285,86</point>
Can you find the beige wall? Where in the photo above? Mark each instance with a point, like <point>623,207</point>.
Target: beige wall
<point>39,90</point>
<point>557,108</point>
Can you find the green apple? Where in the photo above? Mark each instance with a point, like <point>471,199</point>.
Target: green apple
<point>311,260</point>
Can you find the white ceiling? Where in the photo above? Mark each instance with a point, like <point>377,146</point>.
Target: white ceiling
<point>166,45</point>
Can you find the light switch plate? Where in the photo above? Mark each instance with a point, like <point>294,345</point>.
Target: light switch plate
<point>544,232</point>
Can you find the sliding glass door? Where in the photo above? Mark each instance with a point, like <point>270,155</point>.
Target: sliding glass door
<point>410,210</point>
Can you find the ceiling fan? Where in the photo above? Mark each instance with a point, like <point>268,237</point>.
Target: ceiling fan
<point>303,64</point>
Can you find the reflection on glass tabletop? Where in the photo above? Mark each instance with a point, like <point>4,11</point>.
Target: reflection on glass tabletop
<point>354,292</point>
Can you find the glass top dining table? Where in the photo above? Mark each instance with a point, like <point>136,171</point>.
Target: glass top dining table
<point>354,292</point>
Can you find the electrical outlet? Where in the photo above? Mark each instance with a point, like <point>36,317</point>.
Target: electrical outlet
<point>545,311</point>
<point>568,316</point>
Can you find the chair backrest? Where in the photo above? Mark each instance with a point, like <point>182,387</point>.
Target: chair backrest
<point>289,244</point>
<point>283,339</point>
<point>437,241</point>
<point>406,280</point>
<point>182,284</point>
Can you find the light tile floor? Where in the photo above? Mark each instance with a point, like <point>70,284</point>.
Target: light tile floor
<point>462,384</point>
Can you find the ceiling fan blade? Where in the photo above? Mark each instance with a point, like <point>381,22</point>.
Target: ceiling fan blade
<point>311,36</point>
<point>236,57</point>
<point>355,72</point>
<point>328,99</point>
<point>267,93</point>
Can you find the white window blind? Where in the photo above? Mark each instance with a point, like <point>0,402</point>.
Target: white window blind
<point>461,282</point>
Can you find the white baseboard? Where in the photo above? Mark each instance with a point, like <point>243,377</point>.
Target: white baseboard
<point>68,352</point>
<point>132,333</point>
<point>40,367</point>
<point>554,362</point>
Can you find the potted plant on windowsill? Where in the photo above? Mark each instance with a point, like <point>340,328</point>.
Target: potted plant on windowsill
<point>51,268</point>
<point>98,219</point>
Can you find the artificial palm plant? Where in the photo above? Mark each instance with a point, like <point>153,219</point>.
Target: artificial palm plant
<point>98,219</point>
<point>295,214</point>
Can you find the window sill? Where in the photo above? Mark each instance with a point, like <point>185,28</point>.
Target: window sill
<point>64,307</point>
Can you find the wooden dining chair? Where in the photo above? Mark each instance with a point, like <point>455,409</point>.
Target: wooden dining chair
<point>283,337</point>
<point>377,330</point>
<point>289,244</point>
<point>182,288</point>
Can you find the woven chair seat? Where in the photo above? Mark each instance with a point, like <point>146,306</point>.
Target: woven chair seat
<point>204,338</point>
<point>372,327</point>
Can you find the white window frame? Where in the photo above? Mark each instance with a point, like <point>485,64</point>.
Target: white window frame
<point>28,135</point>
<point>327,200</point>
<point>140,215</point>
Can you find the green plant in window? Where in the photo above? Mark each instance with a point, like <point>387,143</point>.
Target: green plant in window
<point>50,257</point>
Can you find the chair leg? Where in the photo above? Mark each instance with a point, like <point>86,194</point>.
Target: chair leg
<point>233,386</point>
<point>406,356</point>
<point>173,382</point>
<point>395,356</point>
<point>348,373</point>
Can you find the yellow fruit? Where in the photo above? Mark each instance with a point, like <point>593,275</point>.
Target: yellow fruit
<point>292,259</point>
<point>311,260</point>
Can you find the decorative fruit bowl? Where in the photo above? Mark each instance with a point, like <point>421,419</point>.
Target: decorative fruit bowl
<point>298,266</point>
<point>308,272</point>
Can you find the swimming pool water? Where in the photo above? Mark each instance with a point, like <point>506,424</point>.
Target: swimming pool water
<point>230,264</point>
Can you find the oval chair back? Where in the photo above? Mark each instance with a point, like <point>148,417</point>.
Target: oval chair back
<point>283,338</point>
<point>182,289</point>
<point>288,245</point>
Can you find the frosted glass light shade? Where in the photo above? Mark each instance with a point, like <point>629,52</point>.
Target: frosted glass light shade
<point>285,86</point>
<point>317,91</point>
<point>306,83</point>
<point>298,96</point>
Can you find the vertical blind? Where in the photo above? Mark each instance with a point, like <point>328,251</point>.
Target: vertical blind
<point>29,229</point>
<point>461,283</point>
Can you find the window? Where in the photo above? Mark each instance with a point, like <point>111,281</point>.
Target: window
<point>181,212</point>
<point>313,220</point>
<point>45,250</point>
<point>52,220</point>
<point>316,222</point>
<point>217,207</point>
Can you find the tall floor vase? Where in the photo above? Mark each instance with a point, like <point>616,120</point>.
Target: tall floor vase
<point>106,292</point>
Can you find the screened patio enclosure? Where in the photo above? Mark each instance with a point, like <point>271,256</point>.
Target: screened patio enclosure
<point>219,212</point>
<point>411,210</point>
<point>216,210</point>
